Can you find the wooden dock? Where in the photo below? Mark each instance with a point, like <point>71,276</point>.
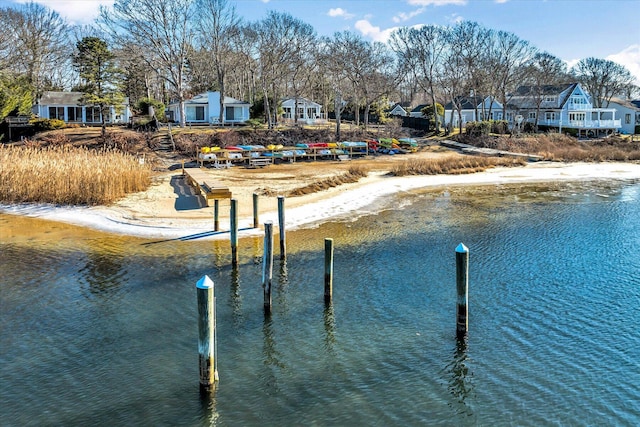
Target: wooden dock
<point>207,186</point>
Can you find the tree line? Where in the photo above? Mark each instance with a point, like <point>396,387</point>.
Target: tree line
<point>169,51</point>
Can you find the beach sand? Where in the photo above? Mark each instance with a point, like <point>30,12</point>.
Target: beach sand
<point>171,209</point>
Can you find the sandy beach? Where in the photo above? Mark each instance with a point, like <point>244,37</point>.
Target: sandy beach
<point>171,209</point>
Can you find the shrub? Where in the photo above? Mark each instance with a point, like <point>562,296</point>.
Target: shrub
<point>40,125</point>
<point>255,123</point>
<point>478,128</point>
<point>143,107</point>
<point>500,127</point>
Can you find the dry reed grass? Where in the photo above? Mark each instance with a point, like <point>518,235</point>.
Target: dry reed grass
<point>69,175</point>
<point>560,147</point>
<point>352,175</point>
<point>452,165</point>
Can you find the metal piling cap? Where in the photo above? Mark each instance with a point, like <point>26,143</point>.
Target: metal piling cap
<point>204,283</point>
<point>462,249</point>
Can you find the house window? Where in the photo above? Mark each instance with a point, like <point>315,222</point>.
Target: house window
<point>549,98</point>
<point>627,119</point>
<point>532,115</point>
<point>56,113</point>
<point>574,117</point>
<point>93,114</point>
<point>550,116</point>
<point>233,113</point>
<point>509,117</point>
<point>195,113</point>
<point>74,114</point>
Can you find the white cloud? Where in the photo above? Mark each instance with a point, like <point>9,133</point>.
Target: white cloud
<point>340,12</point>
<point>375,33</point>
<point>501,1</point>
<point>454,18</point>
<point>401,17</point>
<point>436,2</point>
<point>76,12</point>
<point>571,62</point>
<point>630,59</point>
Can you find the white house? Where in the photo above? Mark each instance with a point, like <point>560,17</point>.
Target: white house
<point>417,111</point>
<point>205,108</point>
<point>472,108</point>
<point>562,107</point>
<point>629,115</point>
<point>302,109</point>
<point>398,110</point>
<point>67,106</point>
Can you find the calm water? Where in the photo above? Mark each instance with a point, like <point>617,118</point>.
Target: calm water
<point>97,329</point>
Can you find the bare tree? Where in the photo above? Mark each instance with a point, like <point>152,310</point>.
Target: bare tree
<point>218,35</point>
<point>336,55</point>
<point>421,53</point>
<point>163,32</point>
<point>280,42</point>
<point>456,74</point>
<point>507,62</point>
<point>38,43</point>
<point>543,70</point>
<point>379,76</point>
<point>603,79</point>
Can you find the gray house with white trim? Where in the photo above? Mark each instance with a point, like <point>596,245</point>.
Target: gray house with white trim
<point>68,107</point>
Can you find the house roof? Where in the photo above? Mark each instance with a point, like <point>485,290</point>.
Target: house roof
<point>523,97</point>
<point>466,102</point>
<point>60,98</point>
<point>65,98</point>
<point>203,99</point>
<point>419,108</point>
<point>633,105</point>
<point>301,100</point>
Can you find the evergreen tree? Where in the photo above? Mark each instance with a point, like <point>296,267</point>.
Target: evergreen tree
<point>99,75</point>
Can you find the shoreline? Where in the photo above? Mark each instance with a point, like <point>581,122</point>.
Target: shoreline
<point>161,213</point>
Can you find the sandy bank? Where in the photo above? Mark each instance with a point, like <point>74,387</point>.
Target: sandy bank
<point>170,209</point>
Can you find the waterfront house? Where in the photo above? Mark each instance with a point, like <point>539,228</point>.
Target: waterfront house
<point>417,111</point>
<point>629,114</point>
<point>68,107</point>
<point>204,108</point>
<point>398,110</point>
<point>472,108</point>
<point>561,107</point>
<point>301,109</point>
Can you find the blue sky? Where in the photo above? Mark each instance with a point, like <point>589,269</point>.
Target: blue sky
<point>569,29</point>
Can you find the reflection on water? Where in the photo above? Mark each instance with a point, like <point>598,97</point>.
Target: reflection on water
<point>460,383</point>
<point>329,328</point>
<point>101,329</point>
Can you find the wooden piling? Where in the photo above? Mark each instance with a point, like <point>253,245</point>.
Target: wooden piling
<point>462,285</point>
<point>207,340</point>
<point>234,232</point>
<point>267,265</point>
<point>283,243</point>
<point>328,270</point>
<point>216,215</point>
<point>256,220</point>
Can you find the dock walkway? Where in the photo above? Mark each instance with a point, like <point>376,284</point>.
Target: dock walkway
<point>207,186</point>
